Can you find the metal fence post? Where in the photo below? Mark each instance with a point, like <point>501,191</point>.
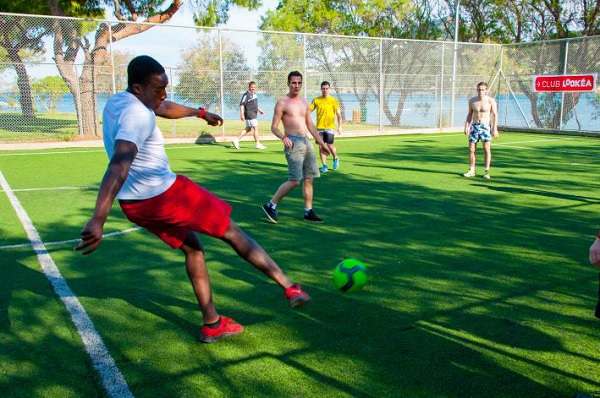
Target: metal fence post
<point>220,35</point>
<point>454,63</point>
<point>562,95</point>
<point>441,118</point>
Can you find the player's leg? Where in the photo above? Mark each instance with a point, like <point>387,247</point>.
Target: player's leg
<point>245,131</point>
<point>295,160</point>
<point>472,159</point>
<point>236,140</point>
<point>323,159</point>
<point>258,144</point>
<point>307,192</point>
<point>309,172</point>
<point>215,326</point>
<point>487,158</point>
<point>252,252</point>
<point>283,190</point>
<point>323,155</point>
<point>198,275</point>
<point>472,138</point>
<point>333,151</point>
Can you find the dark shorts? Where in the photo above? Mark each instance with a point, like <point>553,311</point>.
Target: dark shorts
<point>327,135</point>
<point>182,208</point>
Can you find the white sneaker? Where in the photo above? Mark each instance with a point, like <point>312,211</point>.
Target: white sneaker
<point>260,146</point>
<point>469,174</point>
<point>236,143</point>
<point>487,175</point>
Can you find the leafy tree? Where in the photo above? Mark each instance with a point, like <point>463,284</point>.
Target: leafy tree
<point>80,39</point>
<point>352,65</point>
<point>376,18</point>
<point>111,75</point>
<point>216,12</point>
<point>48,91</point>
<point>199,78</point>
<point>20,42</point>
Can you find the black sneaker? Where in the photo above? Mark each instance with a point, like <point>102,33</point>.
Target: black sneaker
<point>270,212</point>
<point>312,216</point>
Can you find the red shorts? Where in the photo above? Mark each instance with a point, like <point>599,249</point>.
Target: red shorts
<point>182,208</point>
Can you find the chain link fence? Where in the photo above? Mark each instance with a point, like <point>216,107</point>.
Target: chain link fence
<point>57,74</point>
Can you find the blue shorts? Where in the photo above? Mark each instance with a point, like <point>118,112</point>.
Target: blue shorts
<point>301,159</point>
<point>480,132</point>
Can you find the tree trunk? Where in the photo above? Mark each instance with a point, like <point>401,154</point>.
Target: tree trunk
<point>24,85</point>
<point>67,45</point>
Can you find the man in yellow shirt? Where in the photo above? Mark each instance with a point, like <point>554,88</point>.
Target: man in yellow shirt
<point>327,111</point>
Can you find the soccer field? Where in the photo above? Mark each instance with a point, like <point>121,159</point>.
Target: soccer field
<point>477,288</point>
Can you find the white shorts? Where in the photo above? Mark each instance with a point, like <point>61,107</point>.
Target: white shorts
<point>251,122</point>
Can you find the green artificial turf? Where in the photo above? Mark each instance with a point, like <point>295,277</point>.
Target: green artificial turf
<point>477,288</point>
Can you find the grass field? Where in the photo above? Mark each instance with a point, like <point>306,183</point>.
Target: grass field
<point>478,288</point>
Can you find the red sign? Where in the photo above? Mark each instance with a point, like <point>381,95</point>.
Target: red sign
<point>565,83</point>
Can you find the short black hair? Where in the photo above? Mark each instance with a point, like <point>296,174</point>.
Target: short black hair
<point>325,83</point>
<point>294,73</point>
<point>141,68</point>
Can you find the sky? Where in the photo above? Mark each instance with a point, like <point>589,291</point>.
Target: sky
<point>166,48</point>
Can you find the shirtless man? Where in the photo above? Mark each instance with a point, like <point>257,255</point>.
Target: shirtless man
<point>481,120</point>
<point>292,110</point>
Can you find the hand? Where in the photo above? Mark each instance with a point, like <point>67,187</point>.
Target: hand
<point>287,142</point>
<point>595,253</point>
<point>495,134</point>
<point>325,149</point>
<point>213,119</point>
<point>339,130</point>
<point>91,236</point>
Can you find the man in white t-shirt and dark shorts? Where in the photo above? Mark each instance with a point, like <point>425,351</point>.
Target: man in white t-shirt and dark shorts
<point>170,206</point>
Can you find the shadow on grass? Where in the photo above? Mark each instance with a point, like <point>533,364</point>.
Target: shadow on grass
<point>12,124</point>
<point>476,289</point>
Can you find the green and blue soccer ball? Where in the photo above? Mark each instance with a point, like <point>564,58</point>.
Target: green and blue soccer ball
<point>350,276</point>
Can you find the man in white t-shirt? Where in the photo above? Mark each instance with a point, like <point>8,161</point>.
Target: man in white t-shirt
<point>170,206</point>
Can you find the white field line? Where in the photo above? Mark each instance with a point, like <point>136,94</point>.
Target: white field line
<point>70,241</point>
<point>112,380</point>
<point>57,189</point>
<point>508,145</point>
<point>74,152</point>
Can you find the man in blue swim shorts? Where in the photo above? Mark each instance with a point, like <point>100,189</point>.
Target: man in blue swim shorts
<point>481,125</point>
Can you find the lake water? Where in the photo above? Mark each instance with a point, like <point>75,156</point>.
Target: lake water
<point>419,111</point>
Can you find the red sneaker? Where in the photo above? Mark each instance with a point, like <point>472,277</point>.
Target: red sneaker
<point>228,327</point>
<point>296,296</point>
